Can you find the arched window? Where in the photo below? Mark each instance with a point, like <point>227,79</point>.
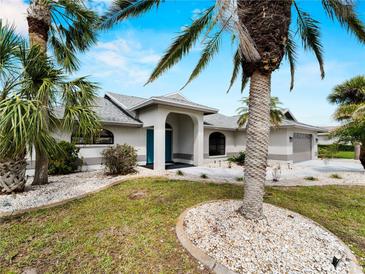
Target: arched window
<point>217,144</point>
<point>105,137</point>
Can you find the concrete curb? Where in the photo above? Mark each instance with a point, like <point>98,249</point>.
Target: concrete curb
<point>218,268</point>
<point>197,253</point>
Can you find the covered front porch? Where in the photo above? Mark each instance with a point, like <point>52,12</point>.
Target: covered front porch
<point>175,139</point>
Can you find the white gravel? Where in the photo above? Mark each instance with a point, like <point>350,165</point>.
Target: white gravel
<point>351,173</point>
<point>63,187</point>
<point>284,242</point>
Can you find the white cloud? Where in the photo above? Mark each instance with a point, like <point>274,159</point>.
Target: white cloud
<point>124,59</point>
<point>14,12</point>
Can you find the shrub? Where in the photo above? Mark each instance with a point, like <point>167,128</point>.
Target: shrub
<point>65,160</point>
<point>238,159</point>
<point>179,173</point>
<point>120,159</point>
<point>311,178</point>
<point>335,176</point>
<point>204,176</point>
<point>239,179</point>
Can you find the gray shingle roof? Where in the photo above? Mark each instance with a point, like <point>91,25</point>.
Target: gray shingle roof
<point>126,100</point>
<point>108,113</point>
<point>219,120</point>
<point>133,103</point>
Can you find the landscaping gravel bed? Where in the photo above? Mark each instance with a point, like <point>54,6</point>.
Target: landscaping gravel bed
<point>283,242</point>
<point>63,188</point>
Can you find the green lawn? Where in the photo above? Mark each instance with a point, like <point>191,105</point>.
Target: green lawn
<point>110,232</point>
<point>345,154</point>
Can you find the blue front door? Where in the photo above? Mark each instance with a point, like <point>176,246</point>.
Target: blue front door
<point>168,146</point>
<point>149,146</point>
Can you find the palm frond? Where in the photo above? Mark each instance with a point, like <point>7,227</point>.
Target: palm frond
<point>345,13</point>
<point>211,48</point>
<point>276,114</point>
<point>9,43</point>
<point>244,78</point>
<point>290,53</point>
<point>64,55</point>
<point>346,111</point>
<point>23,125</point>
<point>310,35</point>
<point>349,92</point>
<point>123,9</point>
<point>73,29</point>
<point>182,44</point>
<point>236,68</point>
<point>78,98</point>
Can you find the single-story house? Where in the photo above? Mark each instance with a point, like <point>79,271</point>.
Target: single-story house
<point>171,128</point>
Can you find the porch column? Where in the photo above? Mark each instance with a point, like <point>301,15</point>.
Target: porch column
<point>159,144</point>
<point>198,141</point>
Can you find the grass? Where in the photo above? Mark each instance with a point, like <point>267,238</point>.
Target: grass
<point>311,178</point>
<point>109,232</point>
<point>344,155</point>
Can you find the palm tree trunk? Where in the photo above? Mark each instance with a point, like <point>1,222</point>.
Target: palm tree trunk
<point>258,130</point>
<point>39,22</point>
<point>357,149</point>
<point>12,175</point>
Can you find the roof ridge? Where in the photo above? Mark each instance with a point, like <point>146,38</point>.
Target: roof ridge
<point>139,97</point>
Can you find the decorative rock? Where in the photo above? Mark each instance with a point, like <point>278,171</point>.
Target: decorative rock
<point>277,244</point>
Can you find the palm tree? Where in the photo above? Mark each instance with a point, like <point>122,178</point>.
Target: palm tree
<point>350,98</point>
<point>27,76</point>
<point>261,32</point>
<point>276,114</point>
<point>66,27</point>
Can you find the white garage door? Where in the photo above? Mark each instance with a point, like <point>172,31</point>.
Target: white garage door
<point>302,147</point>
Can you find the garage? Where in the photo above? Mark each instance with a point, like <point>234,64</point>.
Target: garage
<point>302,147</point>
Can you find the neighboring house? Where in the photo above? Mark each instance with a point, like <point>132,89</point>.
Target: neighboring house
<point>171,128</point>
<point>324,137</point>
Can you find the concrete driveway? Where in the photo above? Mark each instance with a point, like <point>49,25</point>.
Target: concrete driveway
<point>350,171</point>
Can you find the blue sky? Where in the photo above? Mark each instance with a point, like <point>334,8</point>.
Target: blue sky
<point>125,56</point>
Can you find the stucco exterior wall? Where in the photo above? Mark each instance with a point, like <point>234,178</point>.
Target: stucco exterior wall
<point>280,145</point>
<point>231,147</point>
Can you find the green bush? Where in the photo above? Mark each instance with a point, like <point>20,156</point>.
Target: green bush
<point>65,160</point>
<point>120,159</point>
<point>238,159</point>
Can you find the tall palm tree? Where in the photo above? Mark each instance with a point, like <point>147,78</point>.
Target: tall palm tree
<point>66,27</point>
<point>350,98</point>
<point>261,29</point>
<point>27,76</point>
<point>276,114</point>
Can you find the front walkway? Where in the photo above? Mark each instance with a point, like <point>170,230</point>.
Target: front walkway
<point>350,171</point>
